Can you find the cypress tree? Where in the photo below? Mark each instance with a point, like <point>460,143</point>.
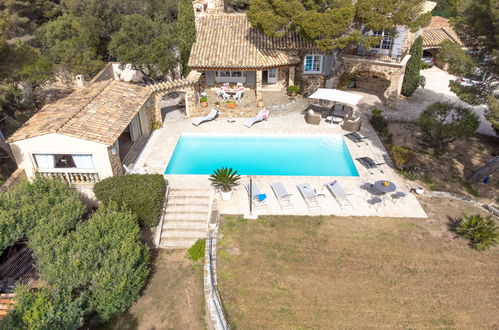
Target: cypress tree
<point>412,76</point>
<point>186,32</point>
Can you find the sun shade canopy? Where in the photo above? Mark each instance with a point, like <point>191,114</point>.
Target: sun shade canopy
<point>336,96</point>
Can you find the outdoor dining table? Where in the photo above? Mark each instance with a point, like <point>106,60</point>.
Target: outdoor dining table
<point>385,189</point>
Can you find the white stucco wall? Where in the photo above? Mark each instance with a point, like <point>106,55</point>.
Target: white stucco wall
<point>127,74</point>
<point>60,144</point>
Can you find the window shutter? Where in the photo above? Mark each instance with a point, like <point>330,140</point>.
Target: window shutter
<point>398,41</point>
<point>210,78</point>
<point>327,63</point>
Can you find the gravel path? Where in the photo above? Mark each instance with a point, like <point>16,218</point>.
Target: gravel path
<point>436,89</point>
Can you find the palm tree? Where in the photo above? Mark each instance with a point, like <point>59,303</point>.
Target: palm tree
<point>225,179</point>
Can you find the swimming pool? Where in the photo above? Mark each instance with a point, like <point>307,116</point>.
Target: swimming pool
<point>297,155</point>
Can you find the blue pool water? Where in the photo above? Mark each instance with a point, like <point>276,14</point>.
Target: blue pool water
<point>321,155</point>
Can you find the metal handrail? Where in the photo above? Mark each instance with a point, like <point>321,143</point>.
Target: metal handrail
<point>214,291</point>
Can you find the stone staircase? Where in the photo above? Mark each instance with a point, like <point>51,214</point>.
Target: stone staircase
<point>185,217</point>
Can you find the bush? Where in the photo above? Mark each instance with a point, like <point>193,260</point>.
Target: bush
<point>42,209</point>
<point>293,89</point>
<point>472,95</point>
<point>411,77</point>
<point>459,62</point>
<point>203,99</point>
<point>481,231</point>
<point>379,123</point>
<point>143,194</point>
<point>196,251</point>
<point>346,79</point>
<point>402,157</point>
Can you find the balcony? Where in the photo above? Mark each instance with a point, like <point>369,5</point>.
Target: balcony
<point>374,56</point>
<point>72,176</point>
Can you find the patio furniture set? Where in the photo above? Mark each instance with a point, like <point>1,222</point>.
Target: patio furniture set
<point>380,190</point>
<point>231,93</point>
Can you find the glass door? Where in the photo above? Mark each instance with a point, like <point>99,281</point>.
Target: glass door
<point>272,76</point>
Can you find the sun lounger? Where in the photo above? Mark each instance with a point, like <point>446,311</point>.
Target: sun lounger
<point>208,117</point>
<point>339,194</point>
<point>356,138</point>
<point>310,197</point>
<point>258,198</point>
<point>282,195</point>
<point>368,163</point>
<point>131,170</point>
<point>262,115</point>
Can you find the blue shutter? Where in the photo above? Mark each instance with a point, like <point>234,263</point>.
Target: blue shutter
<point>398,42</point>
<point>327,63</point>
<point>250,78</point>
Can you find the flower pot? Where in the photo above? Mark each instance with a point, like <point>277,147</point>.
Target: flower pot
<point>259,104</point>
<point>204,104</point>
<point>292,94</point>
<point>217,106</point>
<point>226,195</point>
<point>231,105</point>
<point>419,190</point>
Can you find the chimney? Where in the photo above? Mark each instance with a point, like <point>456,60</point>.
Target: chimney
<point>80,80</point>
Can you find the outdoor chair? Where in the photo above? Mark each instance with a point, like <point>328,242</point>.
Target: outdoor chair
<point>340,110</point>
<point>312,118</point>
<point>398,196</point>
<point>258,198</point>
<point>226,84</point>
<point>262,115</point>
<point>351,124</point>
<point>323,111</point>
<point>310,197</point>
<point>131,170</point>
<point>237,97</point>
<point>375,202</point>
<point>282,195</point>
<point>240,84</point>
<point>339,194</point>
<point>368,188</point>
<point>356,138</point>
<point>369,163</point>
<point>213,113</point>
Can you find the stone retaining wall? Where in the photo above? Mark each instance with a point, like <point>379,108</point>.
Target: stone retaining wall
<point>14,180</point>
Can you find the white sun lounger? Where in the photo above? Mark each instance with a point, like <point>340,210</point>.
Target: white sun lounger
<point>208,117</point>
<point>262,115</point>
<point>258,198</point>
<point>282,195</point>
<point>131,170</point>
<point>339,194</point>
<point>310,196</point>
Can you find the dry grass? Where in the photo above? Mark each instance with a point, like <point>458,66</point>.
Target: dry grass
<point>357,273</point>
<point>173,298</point>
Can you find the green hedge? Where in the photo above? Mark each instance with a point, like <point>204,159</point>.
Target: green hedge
<point>143,194</point>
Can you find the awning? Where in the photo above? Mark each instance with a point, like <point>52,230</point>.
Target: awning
<point>336,95</point>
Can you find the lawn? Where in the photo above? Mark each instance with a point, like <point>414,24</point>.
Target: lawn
<point>329,272</point>
<point>173,298</point>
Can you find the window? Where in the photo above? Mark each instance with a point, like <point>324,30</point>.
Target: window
<point>228,74</point>
<point>50,161</point>
<point>312,64</point>
<point>386,40</point>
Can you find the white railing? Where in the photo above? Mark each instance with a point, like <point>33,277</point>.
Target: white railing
<point>72,176</point>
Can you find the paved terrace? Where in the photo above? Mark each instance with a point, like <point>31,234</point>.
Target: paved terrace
<point>159,149</point>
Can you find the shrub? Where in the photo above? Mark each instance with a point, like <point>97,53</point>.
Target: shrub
<point>401,156</point>
<point>293,89</point>
<point>411,77</point>
<point>143,194</point>
<point>345,80</point>
<point>196,251</point>
<point>459,62</point>
<point>203,99</point>
<point>481,231</point>
<point>42,209</point>
<point>224,179</point>
<point>379,123</point>
<point>157,125</point>
<point>472,95</point>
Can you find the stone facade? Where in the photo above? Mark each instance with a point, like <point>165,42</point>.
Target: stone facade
<point>114,159</point>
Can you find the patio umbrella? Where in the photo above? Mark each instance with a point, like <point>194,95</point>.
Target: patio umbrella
<point>336,95</point>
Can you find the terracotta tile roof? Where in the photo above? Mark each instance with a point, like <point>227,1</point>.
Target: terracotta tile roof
<point>438,21</point>
<point>99,112</point>
<point>434,36</point>
<point>229,41</point>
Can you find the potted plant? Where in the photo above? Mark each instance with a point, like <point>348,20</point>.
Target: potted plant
<point>259,104</point>
<point>203,101</point>
<point>217,105</point>
<point>230,104</point>
<point>225,179</point>
<point>293,90</point>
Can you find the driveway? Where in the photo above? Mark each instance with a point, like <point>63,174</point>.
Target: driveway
<point>436,90</point>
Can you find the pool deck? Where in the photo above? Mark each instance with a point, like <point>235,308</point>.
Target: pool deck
<point>157,152</point>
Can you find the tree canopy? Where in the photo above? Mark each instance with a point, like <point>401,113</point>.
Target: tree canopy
<point>334,23</point>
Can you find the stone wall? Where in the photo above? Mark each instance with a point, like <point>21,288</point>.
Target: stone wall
<point>150,110</point>
<point>310,83</point>
<point>115,162</point>
<point>14,180</point>
<point>283,77</point>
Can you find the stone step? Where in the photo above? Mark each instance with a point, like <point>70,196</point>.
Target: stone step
<point>188,200</point>
<point>182,233</point>
<point>182,208</point>
<point>169,216</point>
<point>188,192</point>
<point>184,224</point>
<point>177,243</point>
